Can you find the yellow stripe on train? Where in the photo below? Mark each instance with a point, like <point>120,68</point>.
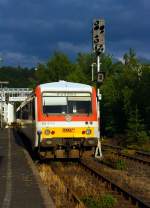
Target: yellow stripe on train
<point>60,132</point>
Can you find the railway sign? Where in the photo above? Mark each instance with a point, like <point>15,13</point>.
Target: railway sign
<point>98,36</point>
<point>100,77</point>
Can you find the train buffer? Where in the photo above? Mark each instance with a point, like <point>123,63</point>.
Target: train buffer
<point>19,184</point>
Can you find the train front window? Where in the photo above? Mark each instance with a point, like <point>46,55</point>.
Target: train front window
<point>79,105</point>
<point>66,103</point>
<point>54,105</point>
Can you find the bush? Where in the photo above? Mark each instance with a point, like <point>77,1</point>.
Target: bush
<point>136,133</point>
<point>107,201</point>
<point>90,202</point>
<point>115,162</point>
<point>120,164</point>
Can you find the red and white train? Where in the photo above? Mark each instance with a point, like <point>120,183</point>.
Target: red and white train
<point>61,119</point>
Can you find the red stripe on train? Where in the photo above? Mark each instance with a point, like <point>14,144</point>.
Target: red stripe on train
<point>42,117</point>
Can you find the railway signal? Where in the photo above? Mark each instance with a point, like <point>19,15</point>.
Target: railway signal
<point>98,36</point>
<point>98,41</point>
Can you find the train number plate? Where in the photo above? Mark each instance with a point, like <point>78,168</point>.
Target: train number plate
<point>68,130</point>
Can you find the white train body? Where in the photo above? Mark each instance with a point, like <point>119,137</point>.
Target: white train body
<point>61,115</point>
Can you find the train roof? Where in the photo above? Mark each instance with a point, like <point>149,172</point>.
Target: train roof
<point>65,86</point>
<point>60,86</point>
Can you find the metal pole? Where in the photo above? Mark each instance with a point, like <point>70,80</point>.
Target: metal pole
<point>98,152</point>
<point>92,65</point>
<point>92,73</point>
<point>1,106</point>
<point>98,64</point>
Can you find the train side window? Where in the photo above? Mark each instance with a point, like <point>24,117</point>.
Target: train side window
<point>25,114</point>
<point>33,109</point>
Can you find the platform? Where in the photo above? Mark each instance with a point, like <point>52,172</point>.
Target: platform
<point>19,185</point>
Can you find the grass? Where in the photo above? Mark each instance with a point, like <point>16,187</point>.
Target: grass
<point>106,201</point>
<point>145,147</point>
<point>86,186</point>
<point>135,178</point>
<point>56,186</point>
<point>114,161</point>
<point>120,140</point>
<point>128,152</point>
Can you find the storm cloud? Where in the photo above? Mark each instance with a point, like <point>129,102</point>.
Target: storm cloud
<point>32,30</point>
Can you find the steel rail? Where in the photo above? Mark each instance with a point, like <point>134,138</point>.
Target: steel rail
<point>70,193</point>
<point>134,199</point>
<point>144,161</point>
<point>147,154</point>
<point>140,152</point>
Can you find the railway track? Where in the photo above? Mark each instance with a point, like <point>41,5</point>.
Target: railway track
<point>86,170</point>
<point>72,199</point>
<point>144,155</point>
<point>91,167</point>
<point>139,156</point>
<point>70,193</point>
<point>61,193</point>
<point>78,181</point>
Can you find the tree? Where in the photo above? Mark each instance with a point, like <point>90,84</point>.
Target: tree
<point>110,106</point>
<point>41,74</point>
<point>58,67</point>
<point>130,59</point>
<point>83,64</point>
<point>106,64</point>
<point>136,133</point>
<point>76,75</point>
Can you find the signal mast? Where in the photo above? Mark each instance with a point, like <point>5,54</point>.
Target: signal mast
<point>98,50</point>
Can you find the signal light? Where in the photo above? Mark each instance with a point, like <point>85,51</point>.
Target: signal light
<point>47,132</point>
<point>52,132</point>
<point>88,131</point>
<point>83,132</point>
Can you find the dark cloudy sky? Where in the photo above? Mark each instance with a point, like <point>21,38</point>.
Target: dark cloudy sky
<point>31,30</point>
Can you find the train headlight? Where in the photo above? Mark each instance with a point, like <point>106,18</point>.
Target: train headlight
<point>47,132</point>
<point>88,131</point>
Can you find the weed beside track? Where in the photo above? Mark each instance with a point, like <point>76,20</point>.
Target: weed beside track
<point>93,192</point>
<point>56,187</point>
<point>132,178</point>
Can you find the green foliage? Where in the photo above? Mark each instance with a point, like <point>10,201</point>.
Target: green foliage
<point>114,161</point>
<point>120,164</point>
<point>130,60</point>
<point>77,75</point>
<point>136,132</point>
<point>17,77</point>
<point>90,202</point>
<point>57,68</point>
<point>123,89</point>
<point>107,201</point>
<point>107,65</point>
<point>41,74</point>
